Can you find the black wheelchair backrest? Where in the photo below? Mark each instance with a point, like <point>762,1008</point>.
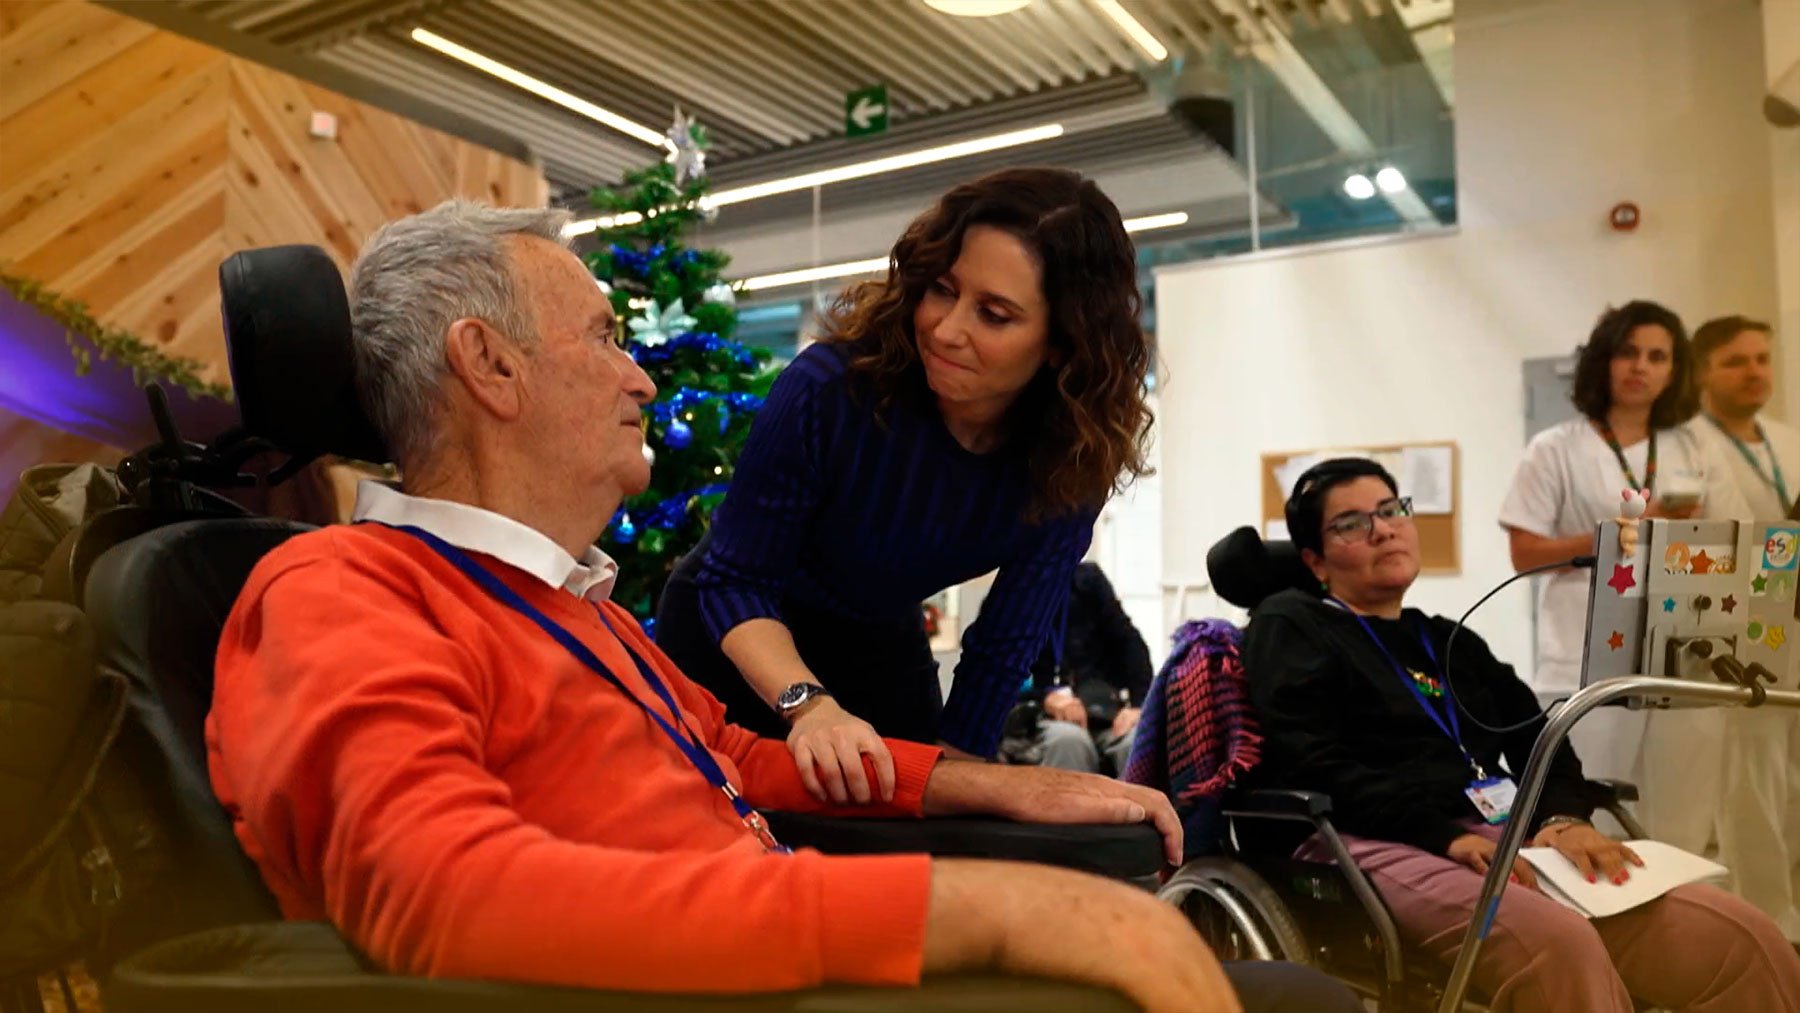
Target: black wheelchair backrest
<point>1245,569</point>
<point>157,602</point>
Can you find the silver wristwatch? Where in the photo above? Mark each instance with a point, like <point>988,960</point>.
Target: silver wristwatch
<point>795,697</point>
<point>1563,821</point>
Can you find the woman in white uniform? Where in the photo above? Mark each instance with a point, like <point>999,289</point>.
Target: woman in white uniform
<point>1634,388</point>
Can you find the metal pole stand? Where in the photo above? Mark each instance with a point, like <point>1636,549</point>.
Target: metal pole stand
<point>1641,690</point>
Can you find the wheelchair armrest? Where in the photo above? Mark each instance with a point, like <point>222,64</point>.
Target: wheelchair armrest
<point>299,967</point>
<point>1119,851</point>
<point>1279,804</point>
<point>1608,791</point>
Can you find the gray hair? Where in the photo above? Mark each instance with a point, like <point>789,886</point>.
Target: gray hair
<point>412,280</point>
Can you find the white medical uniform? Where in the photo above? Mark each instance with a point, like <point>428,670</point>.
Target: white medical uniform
<point>1568,483</point>
<point>1759,807</point>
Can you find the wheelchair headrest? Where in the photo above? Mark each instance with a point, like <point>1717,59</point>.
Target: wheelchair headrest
<point>287,330</point>
<point>1244,569</point>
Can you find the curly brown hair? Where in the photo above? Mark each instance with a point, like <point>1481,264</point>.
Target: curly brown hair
<point>1089,417</point>
<point>1592,390</point>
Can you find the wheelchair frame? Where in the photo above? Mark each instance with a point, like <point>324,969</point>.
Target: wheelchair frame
<point>1212,877</point>
<point>1639,691</point>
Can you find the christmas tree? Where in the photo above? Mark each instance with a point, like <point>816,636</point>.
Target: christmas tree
<point>679,314</point>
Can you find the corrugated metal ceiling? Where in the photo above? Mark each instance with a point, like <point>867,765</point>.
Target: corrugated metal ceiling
<point>767,77</point>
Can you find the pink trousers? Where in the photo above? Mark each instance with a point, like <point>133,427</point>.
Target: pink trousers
<point>1695,948</point>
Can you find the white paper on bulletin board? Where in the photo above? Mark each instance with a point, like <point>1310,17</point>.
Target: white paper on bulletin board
<point>1427,475</point>
<point>1275,530</point>
<point>1289,472</point>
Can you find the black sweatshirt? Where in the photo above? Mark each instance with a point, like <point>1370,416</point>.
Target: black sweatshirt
<point>1103,652</point>
<point>1338,719</point>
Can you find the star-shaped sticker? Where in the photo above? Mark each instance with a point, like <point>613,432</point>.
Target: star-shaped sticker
<point>1616,641</point>
<point>1668,604</point>
<point>1760,583</point>
<point>1729,604</point>
<point>1776,637</point>
<point>1622,579</point>
<point>1701,562</point>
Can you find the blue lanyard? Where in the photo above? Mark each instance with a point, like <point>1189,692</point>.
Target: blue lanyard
<point>685,739</point>
<point>1446,721</point>
<point>1775,481</point>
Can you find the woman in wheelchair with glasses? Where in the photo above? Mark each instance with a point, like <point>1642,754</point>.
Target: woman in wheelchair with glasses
<point>1352,692</point>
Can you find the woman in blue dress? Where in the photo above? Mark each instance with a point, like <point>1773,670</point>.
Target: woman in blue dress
<point>969,413</point>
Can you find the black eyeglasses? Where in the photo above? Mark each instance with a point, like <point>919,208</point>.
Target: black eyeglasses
<point>1356,525</point>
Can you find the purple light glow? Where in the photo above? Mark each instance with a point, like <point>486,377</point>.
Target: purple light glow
<point>38,381</point>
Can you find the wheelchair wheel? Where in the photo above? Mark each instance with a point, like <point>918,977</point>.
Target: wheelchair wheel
<point>1238,913</point>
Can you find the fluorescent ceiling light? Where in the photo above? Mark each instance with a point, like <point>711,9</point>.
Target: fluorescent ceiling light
<point>976,8</point>
<point>1148,222</point>
<point>587,225</point>
<point>891,163</point>
<point>857,170</point>
<point>807,274</point>
<point>1152,47</point>
<point>1390,180</point>
<point>517,79</point>
<point>875,264</point>
<point>1358,186</point>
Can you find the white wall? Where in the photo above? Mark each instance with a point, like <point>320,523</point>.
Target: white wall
<point>1128,548</point>
<point>1781,62</point>
<point>1564,108</point>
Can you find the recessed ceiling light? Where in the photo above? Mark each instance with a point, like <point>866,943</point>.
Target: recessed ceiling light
<point>975,8</point>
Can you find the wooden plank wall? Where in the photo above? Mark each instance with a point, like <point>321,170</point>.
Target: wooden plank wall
<point>132,161</point>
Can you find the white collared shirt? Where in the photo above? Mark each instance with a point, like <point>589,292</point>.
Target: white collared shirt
<point>476,530</point>
<point>1756,482</point>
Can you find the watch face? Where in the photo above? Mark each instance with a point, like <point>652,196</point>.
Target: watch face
<point>797,694</point>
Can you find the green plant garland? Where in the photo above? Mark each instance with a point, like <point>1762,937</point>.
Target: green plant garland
<point>86,335</point>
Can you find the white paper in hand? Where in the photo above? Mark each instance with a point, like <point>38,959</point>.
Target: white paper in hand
<point>1665,868</point>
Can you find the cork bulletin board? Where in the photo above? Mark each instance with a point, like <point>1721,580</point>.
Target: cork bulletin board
<point>1429,472</point>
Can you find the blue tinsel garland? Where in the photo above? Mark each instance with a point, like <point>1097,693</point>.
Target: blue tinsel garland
<point>665,516</point>
<point>704,342</point>
<point>635,262</point>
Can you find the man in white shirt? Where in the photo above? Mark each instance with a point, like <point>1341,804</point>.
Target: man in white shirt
<point>1759,819</point>
<point>1734,357</point>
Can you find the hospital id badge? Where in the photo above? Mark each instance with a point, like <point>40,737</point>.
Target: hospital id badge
<point>1493,797</point>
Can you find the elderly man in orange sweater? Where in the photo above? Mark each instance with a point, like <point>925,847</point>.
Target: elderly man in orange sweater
<point>433,729</point>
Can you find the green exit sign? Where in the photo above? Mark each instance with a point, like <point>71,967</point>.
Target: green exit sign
<point>866,111</point>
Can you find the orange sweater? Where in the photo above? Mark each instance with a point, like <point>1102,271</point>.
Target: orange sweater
<point>416,762</point>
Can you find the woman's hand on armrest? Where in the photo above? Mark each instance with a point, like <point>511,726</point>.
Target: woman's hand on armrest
<point>1047,795</point>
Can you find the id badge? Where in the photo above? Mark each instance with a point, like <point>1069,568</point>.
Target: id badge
<point>1493,797</point>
